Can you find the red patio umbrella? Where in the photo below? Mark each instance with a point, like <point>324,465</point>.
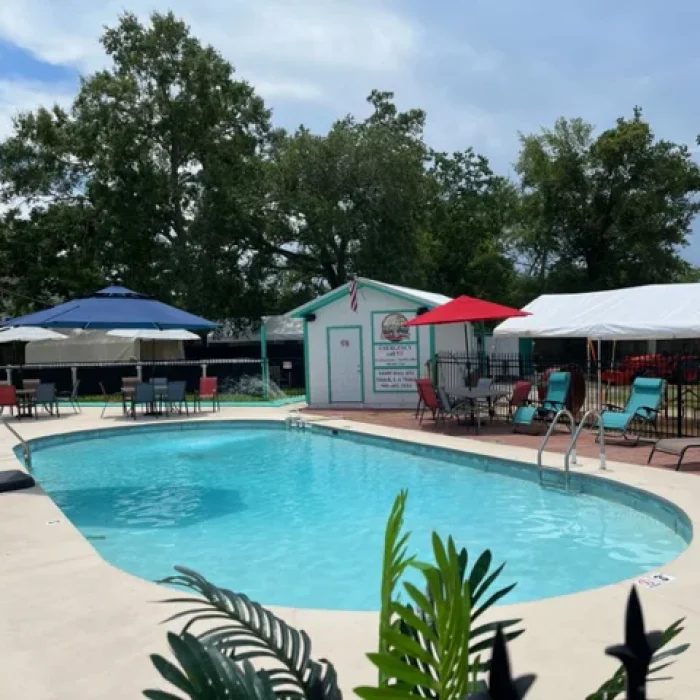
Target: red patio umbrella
<point>466,309</point>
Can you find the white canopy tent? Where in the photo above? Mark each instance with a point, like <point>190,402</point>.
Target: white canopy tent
<point>653,312</point>
<point>28,334</point>
<point>153,334</point>
<point>97,346</point>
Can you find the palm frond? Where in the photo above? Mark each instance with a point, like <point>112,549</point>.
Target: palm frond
<point>250,633</point>
<point>204,673</point>
<point>615,685</point>
<point>428,654</point>
<point>394,564</point>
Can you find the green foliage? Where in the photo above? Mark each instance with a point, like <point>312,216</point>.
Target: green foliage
<point>607,211</point>
<point>167,174</point>
<point>430,645</point>
<point>205,673</point>
<point>615,686</point>
<point>428,648</point>
<point>471,214</point>
<point>154,169</point>
<point>239,632</point>
<point>394,565</point>
<point>353,200</point>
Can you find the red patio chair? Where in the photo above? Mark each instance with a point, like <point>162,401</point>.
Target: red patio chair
<point>8,397</point>
<point>520,396</point>
<point>208,389</point>
<point>428,397</point>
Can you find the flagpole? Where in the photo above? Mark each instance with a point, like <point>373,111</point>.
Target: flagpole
<point>353,294</point>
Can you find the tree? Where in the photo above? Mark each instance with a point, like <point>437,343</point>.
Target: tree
<point>150,149</point>
<point>606,211</point>
<point>471,213</point>
<point>351,201</point>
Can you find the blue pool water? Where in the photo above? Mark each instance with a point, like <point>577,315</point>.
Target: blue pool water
<point>297,517</point>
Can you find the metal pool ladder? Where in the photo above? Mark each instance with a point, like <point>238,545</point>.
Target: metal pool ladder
<point>571,451</point>
<point>550,430</point>
<point>26,450</point>
<point>295,420</point>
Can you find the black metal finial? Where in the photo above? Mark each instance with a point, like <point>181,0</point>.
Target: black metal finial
<point>638,649</point>
<point>501,685</point>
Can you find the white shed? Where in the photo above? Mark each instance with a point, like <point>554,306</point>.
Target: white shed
<point>368,358</point>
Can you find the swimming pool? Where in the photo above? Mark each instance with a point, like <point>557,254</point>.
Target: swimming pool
<point>297,518</point>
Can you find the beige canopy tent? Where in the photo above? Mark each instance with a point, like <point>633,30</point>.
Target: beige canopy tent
<point>98,346</point>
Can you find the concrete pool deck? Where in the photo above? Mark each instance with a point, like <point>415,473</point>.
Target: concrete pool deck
<point>77,627</point>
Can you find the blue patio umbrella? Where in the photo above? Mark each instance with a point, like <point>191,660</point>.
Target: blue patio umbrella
<point>114,307</point>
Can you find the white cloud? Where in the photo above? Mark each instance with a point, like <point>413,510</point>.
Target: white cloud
<point>323,34</point>
<point>18,96</point>
<point>294,90</point>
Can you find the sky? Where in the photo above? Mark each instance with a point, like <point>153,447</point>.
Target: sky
<point>483,70</point>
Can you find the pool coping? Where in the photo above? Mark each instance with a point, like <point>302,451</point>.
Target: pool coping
<point>59,565</point>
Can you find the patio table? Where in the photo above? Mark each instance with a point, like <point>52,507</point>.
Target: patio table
<point>471,397</point>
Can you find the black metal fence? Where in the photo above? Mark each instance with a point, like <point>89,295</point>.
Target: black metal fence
<point>235,376</point>
<point>592,386</point>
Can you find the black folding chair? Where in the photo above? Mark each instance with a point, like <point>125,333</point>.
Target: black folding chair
<point>45,395</point>
<point>176,397</point>
<point>144,395</point>
<point>71,397</point>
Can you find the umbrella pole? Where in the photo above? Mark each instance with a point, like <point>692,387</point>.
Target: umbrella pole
<point>467,380</point>
<point>599,362</point>
<point>483,353</point>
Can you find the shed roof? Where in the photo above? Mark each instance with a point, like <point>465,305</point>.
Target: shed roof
<point>414,296</point>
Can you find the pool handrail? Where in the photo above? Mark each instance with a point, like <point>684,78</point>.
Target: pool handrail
<point>26,450</point>
<point>571,451</point>
<point>550,430</point>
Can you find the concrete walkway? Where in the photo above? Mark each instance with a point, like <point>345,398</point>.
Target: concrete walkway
<point>76,627</point>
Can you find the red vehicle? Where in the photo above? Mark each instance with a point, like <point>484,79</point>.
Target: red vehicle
<point>654,365</point>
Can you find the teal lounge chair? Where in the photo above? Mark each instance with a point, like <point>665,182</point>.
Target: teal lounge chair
<point>642,407</point>
<point>555,400</point>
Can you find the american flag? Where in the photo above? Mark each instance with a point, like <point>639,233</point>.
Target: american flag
<point>353,294</point>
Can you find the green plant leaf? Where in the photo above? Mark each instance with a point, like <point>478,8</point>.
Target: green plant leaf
<point>479,570</point>
<point>399,692</point>
<point>615,685</point>
<point>428,647</point>
<point>160,695</point>
<point>172,674</point>
<point>206,674</point>
<point>493,599</point>
<point>487,583</point>
<point>407,646</point>
<point>248,633</point>
<point>394,667</point>
<point>394,564</point>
